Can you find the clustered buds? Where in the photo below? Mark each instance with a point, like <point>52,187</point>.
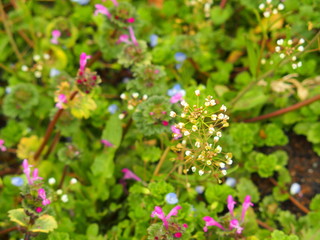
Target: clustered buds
<point>200,129</point>
<point>268,8</point>
<point>37,67</point>
<point>289,48</point>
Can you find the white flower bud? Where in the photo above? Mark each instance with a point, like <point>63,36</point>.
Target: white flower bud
<point>173,114</point>
<point>212,102</point>
<point>294,66</point>
<point>290,42</point>
<point>280,41</point>
<point>184,103</point>
<point>280,6</point>
<point>197,144</point>
<point>36,58</point>
<point>299,64</point>
<point>123,96</point>
<point>261,6</point>
<point>24,68</point>
<point>186,133</point>
<point>194,128</point>
<point>183,115</point>
<point>301,41</point>
<point>197,92</point>
<point>145,97</point>
<point>268,1</point>
<point>73,181</point>
<point>193,169</point>
<point>222,165</point>
<point>201,172</point>
<point>64,198</point>
<point>282,55</point>
<point>300,48</point>
<point>294,58</point>
<point>221,116</point>
<point>216,139</point>
<point>214,117</point>
<point>224,172</point>
<point>266,14</point>
<point>188,153</point>
<point>295,188</point>
<point>180,125</point>
<point>218,149</point>
<point>135,95</point>
<point>219,134</point>
<point>229,161</point>
<point>274,11</point>
<point>277,49</point>
<point>59,192</point>
<point>121,116</point>
<point>46,56</point>
<point>223,108</point>
<point>37,74</point>
<point>52,181</point>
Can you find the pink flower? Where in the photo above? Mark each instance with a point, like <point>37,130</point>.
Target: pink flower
<point>160,214</point>
<point>35,176</point>
<point>234,224</point>
<point>106,143</point>
<point>165,123</point>
<point>178,235</point>
<point>231,204</point>
<point>210,222</point>
<point>42,195</point>
<point>176,98</point>
<point>2,148</point>
<point>132,36</point>
<point>246,204</point>
<point>101,9</point>
<point>115,3</point>
<point>55,35</point>
<point>27,170</point>
<point>185,225</point>
<point>130,20</point>
<point>124,39</point>
<point>38,209</point>
<point>129,175</point>
<point>83,61</point>
<point>61,100</point>
<point>176,132</point>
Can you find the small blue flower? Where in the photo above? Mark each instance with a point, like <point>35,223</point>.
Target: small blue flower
<point>295,188</point>
<point>81,2</point>
<point>171,198</point>
<point>178,65</point>
<point>231,182</point>
<point>112,108</point>
<point>17,181</point>
<point>8,90</point>
<point>180,57</point>
<point>176,89</point>
<point>54,72</point>
<point>199,189</point>
<point>153,40</point>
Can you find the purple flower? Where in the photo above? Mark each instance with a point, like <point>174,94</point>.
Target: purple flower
<point>35,175</point>
<point>231,181</point>
<point>124,38</point>
<point>42,195</point>
<point>130,20</point>
<point>199,189</point>
<point>61,100</point>
<point>83,61</point>
<point>101,9</point>
<point>160,214</point>
<point>176,132</point>
<point>106,143</point>
<point>17,181</point>
<point>180,57</point>
<point>176,93</point>
<point>81,2</point>
<point>54,72</point>
<point>27,172</point>
<point>234,224</point>
<point>2,147</point>
<point>132,36</point>
<point>153,40</point>
<point>231,204</point>
<point>176,98</point>
<point>210,222</point>
<point>129,175</point>
<point>112,108</point>
<point>246,204</point>
<point>55,35</point>
<point>171,198</point>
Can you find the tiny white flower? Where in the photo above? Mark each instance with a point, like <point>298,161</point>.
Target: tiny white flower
<point>73,181</point>
<point>216,139</point>
<point>263,61</point>
<point>186,133</point>
<point>231,182</point>
<point>208,146</point>
<point>280,42</point>
<point>221,116</point>
<point>36,58</point>
<point>135,95</point>
<point>268,1</point>
<point>290,42</point>
<point>121,116</point>
<point>224,172</point>
<point>218,149</point>
<point>222,165</point>
<point>52,181</point>
<point>197,92</point>
<point>24,68</point>
<point>274,11</point>
<point>184,103</point>
<point>300,48</point>
<point>277,49</point>
<point>130,107</point>
<point>207,104</point>
<point>212,102</point>
<point>193,169</point>
<point>223,108</point>
<point>123,96</point>
<point>64,198</point>
<point>211,130</point>
<point>46,56</point>
<point>266,14</point>
<point>214,117</point>
<point>201,172</point>
<point>145,97</point>
<point>282,55</point>
<point>299,64</point>
<point>59,192</point>
<point>281,6</point>
<point>197,144</point>
<point>229,161</point>
<point>37,74</point>
<point>194,128</point>
<point>295,188</point>
<point>294,58</point>
<point>183,115</point>
<point>209,162</point>
<point>301,41</point>
<point>294,66</point>
<point>188,153</point>
<point>173,114</point>
<point>219,134</point>
<point>184,142</point>
<point>180,125</point>
<point>261,6</point>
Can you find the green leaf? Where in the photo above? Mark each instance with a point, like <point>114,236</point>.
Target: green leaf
<point>253,53</point>
<point>113,131</point>
<point>315,203</point>
<point>279,235</point>
<point>58,236</point>
<point>253,98</point>
<point>246,187</point>
<point>45,224</point>
<point>92,230</point>
<point>19,216</point>
<point>219,15</point>
<point>217,195</point>
<point>313,133</point>
<point>103,164</point>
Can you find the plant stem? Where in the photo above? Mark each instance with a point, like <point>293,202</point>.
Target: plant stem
<point>163,157</point>
<point>27,236</point>
<point>6,25</point>
<point>264,225</point>
<point>50,128</point>
<point>52,145</point>
<point>284,110</point>
<point>65,171</point>
<point>292,199</point>
<point>223,3</point>
<point>8,230</point>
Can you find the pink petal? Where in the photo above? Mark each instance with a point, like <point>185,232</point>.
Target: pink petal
<point>246,204</point>
<point>106,143</point>
<point>176,98</point>
<point>130,20</point>
<point>130,175</point>
<point>231,204</point>
<point>173,212</point>
<point>83,60</point>
<point>56,34</point>
<point>132,36</point>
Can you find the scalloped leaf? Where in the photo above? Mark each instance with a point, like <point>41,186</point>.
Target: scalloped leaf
<point>19,216</point>
<point>45,224</point>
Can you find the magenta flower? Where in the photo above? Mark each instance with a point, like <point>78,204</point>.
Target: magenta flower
<point>55,35</point>
<point>83,61</point>
<point>129,175</point>
<point>130,20</point>
<point>101,9</point>
<point>234,224</point>
<point>2,148</point>
<point>35,175</point>
<point>106,143</point>
<point>132,36</point>
<point>27,170</point>
<point>246,204</point>
<point>210,222</point>
<point>160,214</point>
<point>124,39</point>
<point>176,98</point>
<point>38,209</point>
<point>176,132</point>
<point>231,204</point>
<point>165,123</point>
<point>61,100</point>
<point>42,195</point>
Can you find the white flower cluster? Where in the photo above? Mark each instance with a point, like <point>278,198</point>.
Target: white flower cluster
<point>38,65</point>
<point>290,48</point>
<point>268,8</point>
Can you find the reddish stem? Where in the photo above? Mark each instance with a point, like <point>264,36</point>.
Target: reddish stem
<point>264,225</point>
<point>50,128</point>
<point>223,3</point>
<point>8,230</point>
<point>284,110</point>
<point>65,171</point>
